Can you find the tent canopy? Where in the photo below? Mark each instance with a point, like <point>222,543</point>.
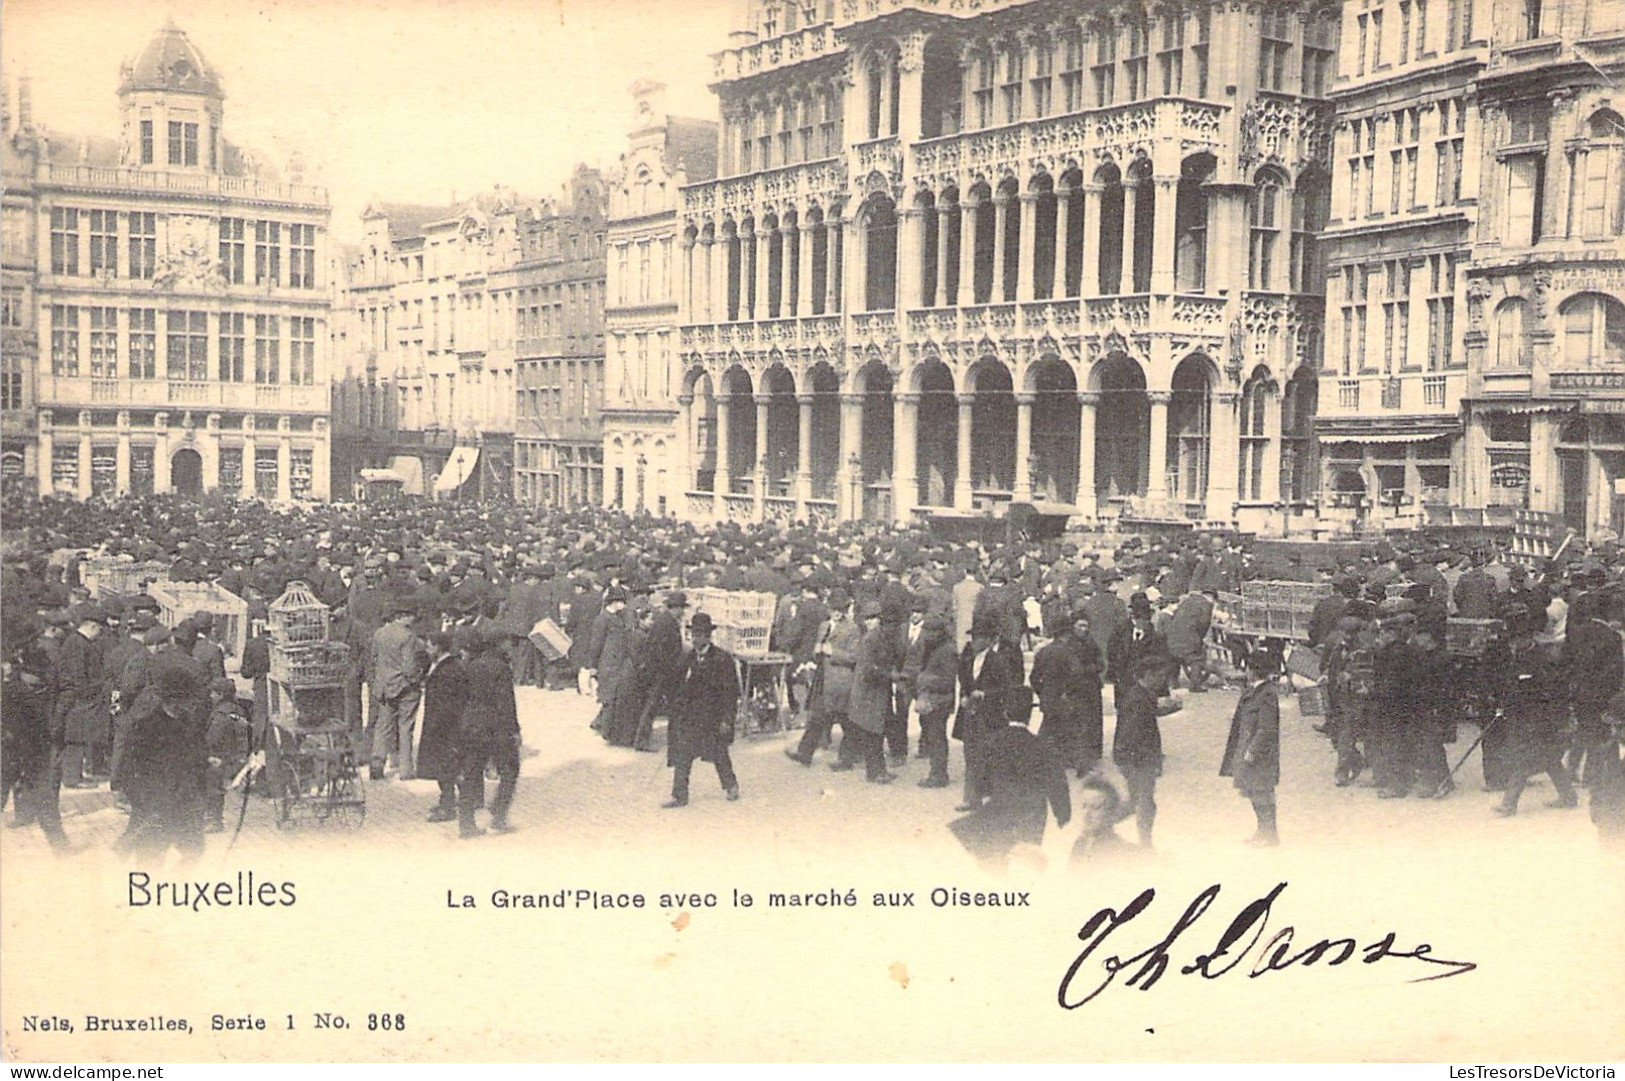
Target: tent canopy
<point>459,467</point>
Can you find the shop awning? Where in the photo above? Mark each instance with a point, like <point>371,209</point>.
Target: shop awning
<point>459,467</point>
<point>411,470</point>
<point>1385,437</point>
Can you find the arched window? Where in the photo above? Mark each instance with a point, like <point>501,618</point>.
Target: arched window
<point>880,255</point>
<point>1264,216</point>
<point>1255,440</point>
<point>1597,179</point>
<point>1593,331</point>
<point>1513,348</point>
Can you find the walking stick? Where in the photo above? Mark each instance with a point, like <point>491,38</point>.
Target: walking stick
<point>1448,783</point>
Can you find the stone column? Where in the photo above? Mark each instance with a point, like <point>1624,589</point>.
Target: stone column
<point>855,267</point>
<point>717,287</point>
<point>849,473</point>
<point>210,446</point>
<point>910,87</point>
<point>1165,190</point>
<point>803,484</point>
<point>724,479</point>
<point>1545,478</point>
<point>905,487</point>
<point>1088,404</point>
<point>1001,216</point>
<point>686,297</point>
<point>685,451</point>
<point>160,451</point>
<point>1063,205</point>
<point>1023,489</point>
<point>1475,460</point>
<point>1125,276</point>
<point>46,465</point>
<point>763,401</point>
<point>939,295</point>
<point>761,270</point>
<point>1089,283</point>
<point>1026,263</point>
<point>1224,451</point>
<point>788,258</point>
<point>122,476</point>
<point>321,468</point>
<point>910,272</point>
<point>804,272</point>
<point>832,259</point>
<point>284,459</point>
<point>967,255</point>
<point>962,486</point>
<point>84,455</point>
<point>1157,480</point>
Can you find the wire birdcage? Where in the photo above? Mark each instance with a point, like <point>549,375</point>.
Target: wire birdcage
<point>297,618</point>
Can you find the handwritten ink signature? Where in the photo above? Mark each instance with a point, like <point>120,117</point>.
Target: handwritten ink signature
<point>1230,952</point>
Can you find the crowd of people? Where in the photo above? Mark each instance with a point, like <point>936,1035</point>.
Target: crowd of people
<point>904,640</point>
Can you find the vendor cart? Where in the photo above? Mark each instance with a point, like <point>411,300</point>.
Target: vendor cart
<point>744,624</point>
<point>313,757</point>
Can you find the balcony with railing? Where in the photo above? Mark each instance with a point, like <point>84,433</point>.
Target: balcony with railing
<point>109,179</point>
<point>76,391</point>
<point>778,51</point>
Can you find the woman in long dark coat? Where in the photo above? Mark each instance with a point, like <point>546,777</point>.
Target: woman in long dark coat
<point>634,685</point>
<point>445,694</point>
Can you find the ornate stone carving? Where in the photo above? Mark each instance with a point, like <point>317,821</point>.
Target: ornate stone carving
<point>190,263</point>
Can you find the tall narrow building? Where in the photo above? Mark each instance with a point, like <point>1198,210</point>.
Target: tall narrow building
<point>644,462</point>
<point>180,299</point>
<point>958,258</point>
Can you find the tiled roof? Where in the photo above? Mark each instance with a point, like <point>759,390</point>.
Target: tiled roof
<point>691,145</point>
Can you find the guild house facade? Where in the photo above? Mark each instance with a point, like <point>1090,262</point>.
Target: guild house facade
<point>959,256</point>
<point>178,298</point>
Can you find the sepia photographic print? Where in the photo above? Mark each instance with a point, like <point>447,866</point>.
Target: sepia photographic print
<point>813,530</point>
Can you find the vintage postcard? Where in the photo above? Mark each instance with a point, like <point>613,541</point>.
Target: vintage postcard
<point>807,530</point>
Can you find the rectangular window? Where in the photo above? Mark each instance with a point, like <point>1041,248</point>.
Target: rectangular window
<point>104,343</point>
<point>267,253</point>
<point>146,142</point>
<point>143,343</point>
<point>982,94</point>
<point>1135,63</point>
<point>182,143</point>
<point>11,307</point>
<point>1441,311</point>
<point>1376,39</point>
<point>1448,155</point>
<point>188,336</point>
<point>64,240</point>
<point>1396,316</point>
<point>1204,19</point>
<point>1105,69</point>
<point>1274,50</point>
<point>267,346</point>
<point>232,347</point>
<point>1363,32</point>
<point>11,383</point>
<point>302,256</point>
<point>1042,81</point>
<point>1421,27</point>
<point>265,472</point>
<point>1015,63</point>
<point>1171,55</point>
<point>104,242</point>
<point>302,351</point>
<point>64,339</point>
<point>1404,33</point>
<point>232,250</point>
<point>1526,175</point>
<point>1072,64</point>
<point>301,468</point>
<point>143,244</point>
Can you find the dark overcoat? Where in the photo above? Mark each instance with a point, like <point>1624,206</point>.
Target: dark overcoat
<point>445,695</point>
<point>1255,732</point>
<point>704,706</point>
<point>83,698</point>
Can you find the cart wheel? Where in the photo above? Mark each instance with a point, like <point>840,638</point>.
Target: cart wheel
<point>287,793</point>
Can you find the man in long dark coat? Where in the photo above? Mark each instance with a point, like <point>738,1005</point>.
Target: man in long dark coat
<point>665,661</point>
<point>1595,662</point>
<point>992,690</point>
<point>1252,753</point>
<point>1024,780</point>
<point>1066,679</point>
<point>1137,746</point>
<point>166,765</point>
<point>445,694</point>
<point>705,705</point>
<point>83,698</point>
<point>488,733</point>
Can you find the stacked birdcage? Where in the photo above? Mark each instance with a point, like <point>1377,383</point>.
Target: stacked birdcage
<point>297,618</point>
<point>743,619</point>
<point>178,601</point>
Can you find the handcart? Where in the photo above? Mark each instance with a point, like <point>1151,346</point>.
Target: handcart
<point>744,623</point>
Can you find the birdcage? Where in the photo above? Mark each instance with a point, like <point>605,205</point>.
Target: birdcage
<point>743,619</point>
<point>297,618</point>
<point>318,664</point>
<point>106,576</point>
<point>178,600</point>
